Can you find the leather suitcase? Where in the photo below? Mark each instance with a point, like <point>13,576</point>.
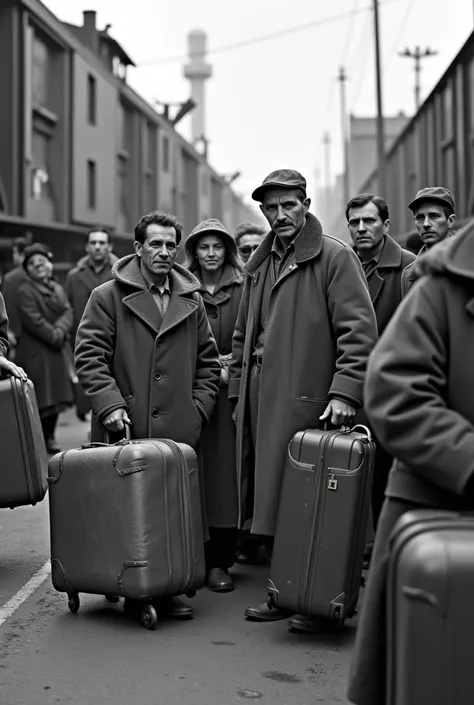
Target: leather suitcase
<point>324,508</point>
<point>24,466</point>
<point>430,609</point>
<point>126,521</point>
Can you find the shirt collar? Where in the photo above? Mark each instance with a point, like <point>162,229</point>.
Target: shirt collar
<point>152,286</point>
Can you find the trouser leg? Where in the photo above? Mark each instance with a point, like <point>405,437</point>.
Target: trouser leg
<point>220,549</point>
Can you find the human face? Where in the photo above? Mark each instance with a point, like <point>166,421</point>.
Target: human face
<point>158,252</point>
<point>285,213</point>
<point>98,247</point>
<point>432,223</point>
<point>210,253</point>
<point>366,228</point>
<point>39,268</point>
<point>248,244</point>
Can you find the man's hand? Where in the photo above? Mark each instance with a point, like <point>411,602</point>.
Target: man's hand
<point>115,421</point>
<point>341,413</point>
<point>12,369</point>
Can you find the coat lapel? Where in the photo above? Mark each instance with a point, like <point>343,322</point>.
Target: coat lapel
<point>142,304</point>
<point>375,285</point>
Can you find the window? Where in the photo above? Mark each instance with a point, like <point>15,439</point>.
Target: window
<point>40,72</point>
<point>166,154</point>
<point>40,179</point>
<point>91,184</point>
<point>91,100</point>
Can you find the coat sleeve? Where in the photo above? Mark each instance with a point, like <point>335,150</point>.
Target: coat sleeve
<point>51,334</point>
<point>66,319</point>
<point>4,344</point>
<point>208,366</point>
<point>406,392</point>
<point>95,340</point>
<point>238,343</point>
<point>354,325</point>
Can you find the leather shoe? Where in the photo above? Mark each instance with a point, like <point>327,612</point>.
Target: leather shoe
<point>173,607</point>
<point>264,613</point>
<point>301,623</point>
<point>219,580</point>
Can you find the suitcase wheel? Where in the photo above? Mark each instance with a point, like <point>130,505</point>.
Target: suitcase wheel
<point>112,598</point>
<point>191,593</point>
<point>149,617</point>
<point>73,602</point>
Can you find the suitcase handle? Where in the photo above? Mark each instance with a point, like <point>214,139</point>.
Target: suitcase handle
<point>365,429</point>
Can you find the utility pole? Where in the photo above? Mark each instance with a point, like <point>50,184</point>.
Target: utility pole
<point>417,55</point>
<point>380,122</point>
<point>342,78</point>
<point>327,173</point>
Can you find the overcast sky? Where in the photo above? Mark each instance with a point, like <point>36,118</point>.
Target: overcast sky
<point>269,102</point>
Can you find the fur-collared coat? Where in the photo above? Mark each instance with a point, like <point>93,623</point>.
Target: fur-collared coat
<point>321,329</point>
<point>164,371</point>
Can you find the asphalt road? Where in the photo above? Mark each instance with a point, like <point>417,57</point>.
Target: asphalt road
<point>103,655</point>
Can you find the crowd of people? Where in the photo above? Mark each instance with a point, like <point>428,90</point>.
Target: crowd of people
<point>257,335</point>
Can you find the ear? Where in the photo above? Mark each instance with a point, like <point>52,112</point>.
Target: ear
<point>386,227</point>
<point>111,246</point>
<point>451,220</point>
<point>306,204</point>
<point>138,248</point>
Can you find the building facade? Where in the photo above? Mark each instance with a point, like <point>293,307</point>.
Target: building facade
<point>79,147</point>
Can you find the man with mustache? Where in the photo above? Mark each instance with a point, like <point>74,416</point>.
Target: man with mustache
<point>303,335</point>
<point>434,211</point>
<point>383,262</point>
<point>145,354</point>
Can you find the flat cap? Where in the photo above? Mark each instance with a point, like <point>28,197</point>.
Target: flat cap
<point>434,193</point>
<point>281,178</point>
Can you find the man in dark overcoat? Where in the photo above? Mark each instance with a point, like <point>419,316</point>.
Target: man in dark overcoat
<point>434,213</point>
<point>419,400</point>
<point>145,353</point>
<point>305,329</point>
<point>91,271</point>
<point>383,262</point>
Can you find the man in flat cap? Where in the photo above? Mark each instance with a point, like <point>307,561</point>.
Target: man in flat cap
<point>434,211</point>
<point>304,332</point>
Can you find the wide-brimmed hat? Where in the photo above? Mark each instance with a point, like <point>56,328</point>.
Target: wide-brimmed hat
<point>208,227</point>
<point>281,178</point>
<point>434,193</point>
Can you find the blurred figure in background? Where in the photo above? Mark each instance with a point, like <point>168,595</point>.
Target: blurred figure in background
<point>93,269</point>
<point>7,366</point>
<point>43,350</point>
<point>248,237</point>
<point>11,283</point>
<point>212,257</point>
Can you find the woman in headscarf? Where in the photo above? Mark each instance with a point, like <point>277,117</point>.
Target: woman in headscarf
<point>44,350</point>
<point>212,257</point>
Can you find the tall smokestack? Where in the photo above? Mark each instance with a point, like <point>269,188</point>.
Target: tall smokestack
<point>197,70</point>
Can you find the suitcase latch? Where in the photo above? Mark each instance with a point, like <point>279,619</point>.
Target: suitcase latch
<point>332,483</point>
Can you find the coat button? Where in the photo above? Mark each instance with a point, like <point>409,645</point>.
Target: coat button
<point>213,314</point>
<point>159,342</point>
<point>223,350</point>
<point>155,413</point>
<point>157,376</point>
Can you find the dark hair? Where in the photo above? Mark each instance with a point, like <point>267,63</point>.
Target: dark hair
<point>98,229</point>
<point>363,199</point>
<point>232,258</point>
<point>168,220</point>
<point>20,243</point>
<point>248,229</point>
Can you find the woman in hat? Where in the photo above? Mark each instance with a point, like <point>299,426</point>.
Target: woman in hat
<point>43,350</point>
<point>212,257</point>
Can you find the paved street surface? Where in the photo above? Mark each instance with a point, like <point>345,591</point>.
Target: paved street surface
<point>103,655</point>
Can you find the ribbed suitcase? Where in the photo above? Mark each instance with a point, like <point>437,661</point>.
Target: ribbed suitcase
<point>322,523</point>
<point>24,466</point>
<point>430,609</point>
<point>126,521</point>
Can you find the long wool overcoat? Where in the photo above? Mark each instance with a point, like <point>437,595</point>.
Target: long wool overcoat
<point>46,321</point>
<point>321,329</point>
<point>165,371</point>
<point>218,437</point>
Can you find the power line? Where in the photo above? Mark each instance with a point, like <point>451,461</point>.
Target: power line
<point>264,37</point>
<point>350,33</point>
<point>393,52</point>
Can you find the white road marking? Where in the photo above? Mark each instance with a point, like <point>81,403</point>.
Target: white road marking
<point>23,594</point>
